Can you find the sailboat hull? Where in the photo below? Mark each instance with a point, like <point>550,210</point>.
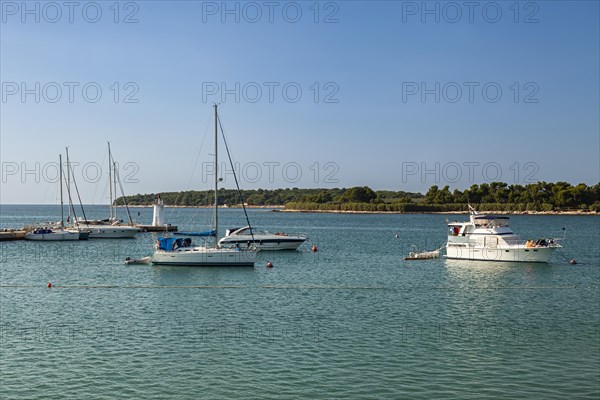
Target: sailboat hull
<point>510,254</point>
<point>112,232</point>
<point>53,236</point>
<point>205,257</point>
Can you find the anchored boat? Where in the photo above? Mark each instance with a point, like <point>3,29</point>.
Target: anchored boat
<point>179,251</point>
<point>58,231</point>
<point>489,238</point>
<point>111,228</point>
<point>264,240</point>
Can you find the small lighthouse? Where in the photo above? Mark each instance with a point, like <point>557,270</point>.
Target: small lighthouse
<point>158,221</point>
<point>157,218</point>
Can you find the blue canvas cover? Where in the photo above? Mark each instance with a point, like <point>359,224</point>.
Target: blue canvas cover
<point>171,243</point>
<point>166,243</point>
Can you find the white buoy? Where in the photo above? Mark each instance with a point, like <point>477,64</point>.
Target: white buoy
<point>157,218</point>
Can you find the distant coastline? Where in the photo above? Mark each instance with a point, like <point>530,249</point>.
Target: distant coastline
<point>573,212</point>
<point>545,198</point>
<point>283,209</point>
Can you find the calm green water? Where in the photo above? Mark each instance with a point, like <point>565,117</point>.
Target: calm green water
<point>351,321</point>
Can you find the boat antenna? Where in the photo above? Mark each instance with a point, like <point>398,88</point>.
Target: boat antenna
<point>236,180</point>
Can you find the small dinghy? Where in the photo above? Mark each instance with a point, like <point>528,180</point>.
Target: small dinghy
<point>143,260</point>
<point>425,255</point>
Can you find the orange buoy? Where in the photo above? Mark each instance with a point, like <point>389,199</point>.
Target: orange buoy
<point>269,264</point>
<point>49,285</point>
<point>314,248</point>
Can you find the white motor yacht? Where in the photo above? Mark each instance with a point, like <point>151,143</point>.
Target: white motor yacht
<point>264,240</point>
<point>489,238</point>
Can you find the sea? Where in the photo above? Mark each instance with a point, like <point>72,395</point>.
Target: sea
<point>351,320</point>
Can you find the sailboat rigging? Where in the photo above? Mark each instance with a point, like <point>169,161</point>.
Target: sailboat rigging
<point>179,251</point>
<point>111,228</point>
<point>51,233</point>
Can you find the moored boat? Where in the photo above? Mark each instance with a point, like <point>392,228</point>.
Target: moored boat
<point>111,228</point>
<point>181,252</point>
<point>58,231</point>
<point>264,240</point>
<point>110,231</point>
<point>489,238</point>
<point>47,234</point>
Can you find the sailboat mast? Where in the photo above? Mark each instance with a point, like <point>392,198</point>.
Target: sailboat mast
<point>110,185</point>
<point>60,174</point>
<point>68,184</point>
<point>71,205</point>
<point>216,179</point>
<point>114,164</point>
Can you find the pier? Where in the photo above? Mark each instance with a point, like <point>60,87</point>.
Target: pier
<point>12,234</point>
<point>157,228</point>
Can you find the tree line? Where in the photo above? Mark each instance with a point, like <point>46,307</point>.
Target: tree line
<point>494,196</point>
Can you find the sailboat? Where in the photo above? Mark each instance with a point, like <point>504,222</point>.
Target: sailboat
<point>181,252</point>
<point>52,233</point>
<point>110,228</point>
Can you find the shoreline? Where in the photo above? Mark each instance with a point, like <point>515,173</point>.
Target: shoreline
<point>444,212</point>
<point>220,207</point>
<point>284,210</point>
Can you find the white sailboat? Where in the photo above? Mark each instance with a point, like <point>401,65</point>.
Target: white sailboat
<point>179,251</point>
<point>51,233</point>
<point>111,228</point>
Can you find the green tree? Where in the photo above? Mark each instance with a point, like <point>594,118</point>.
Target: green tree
<point>358,194</point>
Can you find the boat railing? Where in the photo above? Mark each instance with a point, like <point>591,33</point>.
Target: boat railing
<point>539,243</point>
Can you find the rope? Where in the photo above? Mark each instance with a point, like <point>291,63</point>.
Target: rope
<point>569,260</point>
<point>236,181</point>
<point>299,287</point>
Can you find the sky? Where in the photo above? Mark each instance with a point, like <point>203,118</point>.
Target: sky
<point>391,95</point>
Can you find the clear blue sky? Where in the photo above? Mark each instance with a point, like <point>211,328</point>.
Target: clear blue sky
<point>403,87</point>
